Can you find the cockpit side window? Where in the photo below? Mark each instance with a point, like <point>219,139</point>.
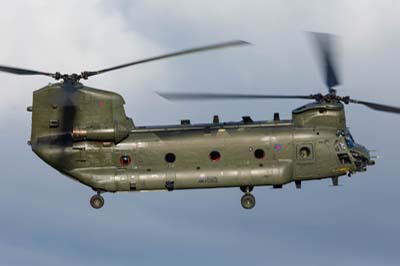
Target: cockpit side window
<point>344,158</point>
<point>340,145</point>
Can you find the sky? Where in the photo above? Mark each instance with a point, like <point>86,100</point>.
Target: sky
<point>46,218</point>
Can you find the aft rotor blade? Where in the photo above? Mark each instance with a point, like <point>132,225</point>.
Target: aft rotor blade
<point>22,71</point>
<point>325,44</point>
<point>378,106</point>
<point>179,96</point>
<point>178,53</point>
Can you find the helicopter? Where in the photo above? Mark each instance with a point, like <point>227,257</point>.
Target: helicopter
<point>85,134</point>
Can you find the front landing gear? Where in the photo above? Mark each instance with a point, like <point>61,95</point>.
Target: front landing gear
<point>97,201</point>
<point>248,201</point>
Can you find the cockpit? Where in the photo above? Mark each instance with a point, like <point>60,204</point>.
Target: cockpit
<point>349,140</point>
<point>350,152</point>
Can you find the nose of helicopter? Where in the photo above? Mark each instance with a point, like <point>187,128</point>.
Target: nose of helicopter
<point>362,156</point>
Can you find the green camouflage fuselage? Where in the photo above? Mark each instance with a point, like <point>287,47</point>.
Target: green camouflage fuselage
<point>88,137</point>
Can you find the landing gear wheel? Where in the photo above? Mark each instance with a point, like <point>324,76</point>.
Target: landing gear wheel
<point>97,201</point>
<point>248,201</point>
<point>246,189</point>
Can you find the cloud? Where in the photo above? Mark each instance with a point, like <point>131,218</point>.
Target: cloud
<point>68,37</point>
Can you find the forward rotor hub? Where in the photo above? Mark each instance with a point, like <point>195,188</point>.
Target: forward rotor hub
<point>331,97</point>
<point>68,77</point>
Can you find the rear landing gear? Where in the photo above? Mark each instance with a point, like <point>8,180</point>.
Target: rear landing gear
<point>97,201</point>
<point>248,201</point>
<point>246,189</point>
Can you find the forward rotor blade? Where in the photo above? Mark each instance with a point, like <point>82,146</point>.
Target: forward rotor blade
<point>378,106</point>
<point>326,44</point>
<point>178,96</point>
<point>21,71</point>
<point>178,53</point>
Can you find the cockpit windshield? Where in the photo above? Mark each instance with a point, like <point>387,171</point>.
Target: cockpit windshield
<point>349,140</point>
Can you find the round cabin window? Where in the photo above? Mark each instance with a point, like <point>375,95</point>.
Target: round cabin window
<point>304,152</point>
<point>125,160</point>
<point>259,153</point>
<point>170,157</point>
<point>215,156</point>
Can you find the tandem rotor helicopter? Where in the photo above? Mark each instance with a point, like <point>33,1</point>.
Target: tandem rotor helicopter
<point>85,134</point>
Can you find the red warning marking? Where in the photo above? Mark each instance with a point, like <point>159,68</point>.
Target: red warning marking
<point>101,103</point>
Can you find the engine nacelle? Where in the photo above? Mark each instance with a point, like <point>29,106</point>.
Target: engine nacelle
<point>114,133</point>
